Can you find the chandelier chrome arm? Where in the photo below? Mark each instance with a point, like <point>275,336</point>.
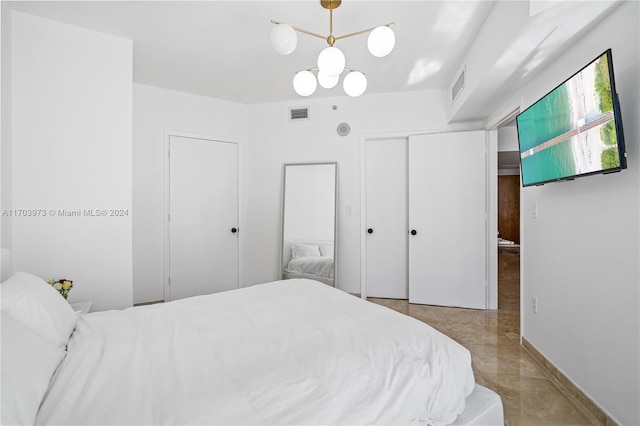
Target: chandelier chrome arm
<point>330,38</point>
<point>363,31</point>
<point>301,30</point>
<point>345,68</point>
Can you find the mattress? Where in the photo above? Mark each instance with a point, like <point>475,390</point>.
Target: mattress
<point>483,407</point>
<point>286,352</point>
<point>290,276</point>
<point>311,265</point>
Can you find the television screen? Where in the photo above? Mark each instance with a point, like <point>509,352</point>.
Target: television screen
<point>574,130</point>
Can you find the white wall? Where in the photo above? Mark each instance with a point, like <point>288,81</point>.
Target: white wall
<point>154,111</point>
<point>508,143</point>
<point>508,139</point>
<point>580,257</point>
<point>275,140</point>
<point>5,138</point>
<point>494,39</point>
<point>71,150</point>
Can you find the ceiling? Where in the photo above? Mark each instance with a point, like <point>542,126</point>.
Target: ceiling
<point>221,49</point>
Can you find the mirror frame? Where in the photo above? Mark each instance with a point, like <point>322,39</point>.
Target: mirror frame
<point>335,215</point>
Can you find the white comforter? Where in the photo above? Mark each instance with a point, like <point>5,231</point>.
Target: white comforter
<point>288,352</point>
<point>311,265</point>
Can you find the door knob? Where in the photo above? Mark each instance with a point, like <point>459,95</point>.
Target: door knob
<point>370,230</point>
<point>414,232</point>
<point>234,230</point>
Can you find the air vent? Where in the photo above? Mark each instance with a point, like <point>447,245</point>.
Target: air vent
<point>458,86</point>
<point>301,113</point>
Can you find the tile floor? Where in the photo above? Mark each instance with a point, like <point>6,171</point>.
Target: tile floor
<point>529,394</point>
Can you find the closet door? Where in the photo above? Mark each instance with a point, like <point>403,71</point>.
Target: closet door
<point>386,218</point>
<point>447,211</point>
<point>203,216</point>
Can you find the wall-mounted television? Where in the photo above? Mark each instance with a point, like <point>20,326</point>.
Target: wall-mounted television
<point>574,130</point>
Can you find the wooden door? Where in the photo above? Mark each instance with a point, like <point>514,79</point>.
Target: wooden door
<point>447,211</point>
<point>509,207</point>
<point>203,216</point>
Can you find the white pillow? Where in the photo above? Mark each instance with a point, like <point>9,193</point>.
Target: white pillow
<point>28,363</point>
<point>33,302</point>
<point>326,250</point>
<point>304,250</point>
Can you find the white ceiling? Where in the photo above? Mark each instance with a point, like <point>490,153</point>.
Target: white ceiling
<point>221,49</point>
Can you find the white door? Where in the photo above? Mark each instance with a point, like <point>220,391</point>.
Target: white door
<point>203,216</point>
<point>447,211</point>
<point>386,218</point>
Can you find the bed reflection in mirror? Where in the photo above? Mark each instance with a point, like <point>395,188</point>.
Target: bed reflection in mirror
<point>309,222</point>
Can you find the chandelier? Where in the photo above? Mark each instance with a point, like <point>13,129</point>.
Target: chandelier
<point>331,61</point>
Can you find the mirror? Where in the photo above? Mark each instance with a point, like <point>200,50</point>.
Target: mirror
<point>309,222</point>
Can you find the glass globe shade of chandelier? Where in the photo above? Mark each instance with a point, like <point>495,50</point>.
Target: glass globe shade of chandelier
<point>331,61</point>
<point>381,41</point>
<point>284,39</point>
<point>328,82</point>
<point>354,84</point>
<point>304,83</point>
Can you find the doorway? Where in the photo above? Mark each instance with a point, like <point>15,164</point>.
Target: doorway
<point>508,216</point>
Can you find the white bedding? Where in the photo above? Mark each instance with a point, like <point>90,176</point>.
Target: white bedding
<point>287,352</point>
<point>311,265</point>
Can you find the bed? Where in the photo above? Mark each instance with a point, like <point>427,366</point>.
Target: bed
<point>286,352</point>
<point>309,259</point>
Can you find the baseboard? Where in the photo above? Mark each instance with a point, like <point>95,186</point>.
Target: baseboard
<point>582,401</point>
<point>152,302</point>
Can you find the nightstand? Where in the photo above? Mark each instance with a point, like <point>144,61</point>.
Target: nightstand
<point>81,307</point>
